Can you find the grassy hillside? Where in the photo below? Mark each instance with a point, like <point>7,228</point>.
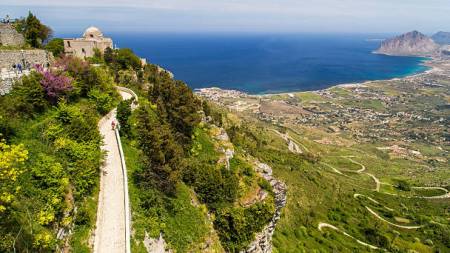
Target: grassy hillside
<point>322,183</point>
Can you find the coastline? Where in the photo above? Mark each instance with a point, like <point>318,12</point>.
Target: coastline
<point>426,63</point>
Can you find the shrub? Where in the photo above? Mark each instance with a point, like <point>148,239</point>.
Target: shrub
<point>78,125</point>
<point>83,163</point>
<point>29,94</point>
<point>237,226</point>
<point>55,46</point>
<point>215,187</point>
<point>402,185</point>
<point>264,184</point>
<point>6,130</point>
<point>374,237</point>
<point>103,101</point>
<point>123,115</point>
<point>12,159</point>
<point>127,59</point>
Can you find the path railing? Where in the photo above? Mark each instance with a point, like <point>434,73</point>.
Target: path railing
<point>125,179</point>
<point>126,198</point>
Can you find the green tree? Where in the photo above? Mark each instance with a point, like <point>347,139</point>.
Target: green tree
<point>55,46</point>
<point>164,157</point>
<point>176,102</point>
<point>127,59</point>
<point>33,30</point>
<point>123,115</point>
<point>109,55</point>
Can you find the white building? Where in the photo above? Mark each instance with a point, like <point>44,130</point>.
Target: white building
<point>84,47</point>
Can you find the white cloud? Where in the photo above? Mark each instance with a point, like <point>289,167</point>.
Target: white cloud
<point>302,15</point>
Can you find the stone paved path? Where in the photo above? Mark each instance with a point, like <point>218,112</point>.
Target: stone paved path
<point>110,228</point>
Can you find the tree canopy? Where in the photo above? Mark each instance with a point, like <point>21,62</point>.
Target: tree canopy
<point>35,33</point>
<point>56,46</point>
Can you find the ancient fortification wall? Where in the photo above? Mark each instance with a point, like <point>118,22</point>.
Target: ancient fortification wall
<point>35,56</point>
<point>10,57</point>
<point>10,37</point>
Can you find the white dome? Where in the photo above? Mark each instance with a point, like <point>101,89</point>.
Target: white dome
<point>92,32</point>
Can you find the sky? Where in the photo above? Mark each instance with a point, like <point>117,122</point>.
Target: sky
<point>309,16</point>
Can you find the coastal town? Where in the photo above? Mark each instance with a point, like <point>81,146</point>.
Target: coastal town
<point>402,110</point>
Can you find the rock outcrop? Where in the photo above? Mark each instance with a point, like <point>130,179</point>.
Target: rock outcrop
<point>155,245</point>
<point>441,38</point>
<point>10,37</point>
<point>409,44</point>
<point>263,239</point>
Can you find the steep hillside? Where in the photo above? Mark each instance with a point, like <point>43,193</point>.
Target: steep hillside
<point>192,190</point>
<point>410,44</point>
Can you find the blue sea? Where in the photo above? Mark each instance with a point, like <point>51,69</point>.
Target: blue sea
<point>269,63</point>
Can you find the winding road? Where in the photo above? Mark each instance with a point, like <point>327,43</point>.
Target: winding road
<point>390,223</point>
<point>111,226</point>
<point>292,145</point>
<point>377,189</point>
<point>326,225</point>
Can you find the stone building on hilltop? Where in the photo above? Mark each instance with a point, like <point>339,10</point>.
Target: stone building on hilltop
<point>9,36</point>
<point>84,47</point>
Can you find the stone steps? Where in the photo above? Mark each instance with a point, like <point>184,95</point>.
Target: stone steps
<point>7,79</point>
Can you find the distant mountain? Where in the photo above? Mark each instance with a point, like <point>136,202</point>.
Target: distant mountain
<point>442,38</point>
<point>409,44</point>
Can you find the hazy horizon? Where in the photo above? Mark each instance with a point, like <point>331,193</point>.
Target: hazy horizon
<point>268,16</point>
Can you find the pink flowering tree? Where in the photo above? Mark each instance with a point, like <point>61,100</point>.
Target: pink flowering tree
<point>72,65</point>
<point>55,85</point>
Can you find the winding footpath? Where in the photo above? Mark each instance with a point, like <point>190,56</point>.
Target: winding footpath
<point>112,226</point>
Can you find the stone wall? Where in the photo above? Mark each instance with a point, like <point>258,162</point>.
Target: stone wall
<point>10,37</point>
<point>35,56</point>
<point>10,57</point>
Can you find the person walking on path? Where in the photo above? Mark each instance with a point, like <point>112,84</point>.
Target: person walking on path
<point>113,125</point>
<point>19,68</point>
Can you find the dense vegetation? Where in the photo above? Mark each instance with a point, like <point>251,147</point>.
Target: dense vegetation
<point>35,33</point>
<point>50,156</point>
<point>178,164</point>
<point>55,46</point>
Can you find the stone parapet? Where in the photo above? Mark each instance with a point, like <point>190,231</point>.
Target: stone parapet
<point>25,57</point>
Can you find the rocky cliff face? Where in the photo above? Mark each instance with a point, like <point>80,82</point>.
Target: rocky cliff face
<point>409,44</point>
<point>442,38</point>
<point>263,239</point>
